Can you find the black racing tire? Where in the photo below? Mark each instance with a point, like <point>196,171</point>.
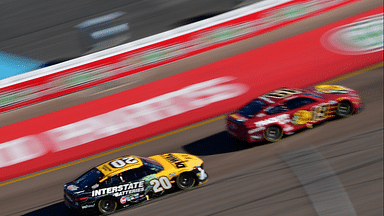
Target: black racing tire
<point>185,181</point>
<point>106,205</point>
<point>344,109</point>
<point>273,133</point>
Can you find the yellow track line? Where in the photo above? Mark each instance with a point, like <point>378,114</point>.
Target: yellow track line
<point>369,68</point>
<point>372,67</point>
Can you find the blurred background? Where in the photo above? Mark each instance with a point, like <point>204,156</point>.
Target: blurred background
<point>54,31</point>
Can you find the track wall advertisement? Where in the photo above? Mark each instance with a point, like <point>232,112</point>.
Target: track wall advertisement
<point>190,97</point>
<point>261,17</point>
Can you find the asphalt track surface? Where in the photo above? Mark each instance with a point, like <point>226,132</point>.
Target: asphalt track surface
<point>263,179</point>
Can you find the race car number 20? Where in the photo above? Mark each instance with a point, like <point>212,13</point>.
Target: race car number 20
<point>122,162</point>
<point>160,184</point>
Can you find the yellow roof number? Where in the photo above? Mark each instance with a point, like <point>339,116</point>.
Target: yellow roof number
<point>119,165</point>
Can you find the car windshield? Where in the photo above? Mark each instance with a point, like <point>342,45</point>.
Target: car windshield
<point>252,108</point>
<point>152,164</point>
<point>89,178</point>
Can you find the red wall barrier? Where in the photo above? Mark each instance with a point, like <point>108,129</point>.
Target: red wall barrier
<point>274,14</point>
<point>190,97</point>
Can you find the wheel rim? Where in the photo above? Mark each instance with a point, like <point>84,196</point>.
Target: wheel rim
<point>107,205</point>
<point>344,109</point>
<point>185,181</point>
<point>273,134</point>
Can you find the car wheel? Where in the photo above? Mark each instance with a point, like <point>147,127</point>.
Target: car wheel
<point>185,181</point>
<point>273,134</point>
<point>107,206</point>
<point>344,109</point>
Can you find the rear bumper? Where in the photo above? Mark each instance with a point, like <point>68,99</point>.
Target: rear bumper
<point>71,205</point>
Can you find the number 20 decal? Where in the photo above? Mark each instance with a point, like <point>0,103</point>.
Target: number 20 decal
<point>122,162</point>
<point>160,184</point>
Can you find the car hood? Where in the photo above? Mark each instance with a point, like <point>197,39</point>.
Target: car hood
<point>171,160</point>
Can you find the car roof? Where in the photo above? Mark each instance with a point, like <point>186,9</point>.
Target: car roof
<point>109,170</point>
<point>280,95</point>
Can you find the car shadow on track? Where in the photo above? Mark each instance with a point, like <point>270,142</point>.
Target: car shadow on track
<point>58,209</point>
<point>218,144</point>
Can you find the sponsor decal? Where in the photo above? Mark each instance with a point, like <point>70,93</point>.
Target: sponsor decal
<point>288,128</point>
<point>123,200</point>
<point>72,187</point>
<point>95,186</point>
<point>120,190</point>
<point>174,160</point>
<point>302,117</point>
<point>281,119</point>
<point>256,130</point>
<point>331,89</point>
<point>360,37</point>
<point>321,112</point>
<point>87,206</point>
<point>172,174</point>
<point>257,137</point>
<point>261,115</point>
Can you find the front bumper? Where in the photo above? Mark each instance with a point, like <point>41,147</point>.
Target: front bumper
<point>201,175</point>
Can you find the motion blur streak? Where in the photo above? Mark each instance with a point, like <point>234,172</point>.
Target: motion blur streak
<point>143,113</point>
<point>120,120</point>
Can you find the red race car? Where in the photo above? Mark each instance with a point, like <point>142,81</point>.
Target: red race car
<point>287,110</point>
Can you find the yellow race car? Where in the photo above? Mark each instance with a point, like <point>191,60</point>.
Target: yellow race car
<point>129,180</point>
